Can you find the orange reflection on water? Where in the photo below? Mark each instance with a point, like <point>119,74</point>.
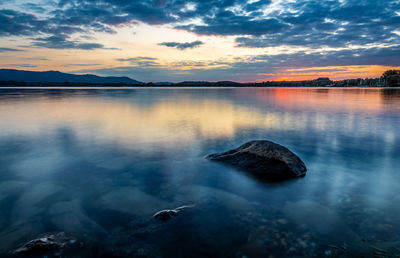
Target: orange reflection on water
<point>185,118</point>
<point>350,99</point>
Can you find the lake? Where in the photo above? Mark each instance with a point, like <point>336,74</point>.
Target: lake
<point>98,163</point>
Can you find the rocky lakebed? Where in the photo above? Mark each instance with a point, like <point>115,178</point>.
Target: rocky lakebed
<point>220,224</point>
<point>211,172</point>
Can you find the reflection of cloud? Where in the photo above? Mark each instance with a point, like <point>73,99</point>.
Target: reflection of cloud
<point>187,119</point>
<point>183,120</point>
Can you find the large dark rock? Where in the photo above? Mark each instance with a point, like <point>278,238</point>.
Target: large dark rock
<point>263,159</point>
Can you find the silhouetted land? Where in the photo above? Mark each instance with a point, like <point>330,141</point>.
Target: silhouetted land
<point>18,78</point>
<point>54,78</point>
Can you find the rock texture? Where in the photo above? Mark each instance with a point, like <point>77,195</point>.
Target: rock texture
<point>263,159</point>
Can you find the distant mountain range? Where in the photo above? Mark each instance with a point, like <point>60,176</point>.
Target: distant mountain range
<point>11,77</point>
<point>59,77</point>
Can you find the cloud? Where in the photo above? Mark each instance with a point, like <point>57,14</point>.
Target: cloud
<point>141,61</point>
<point>35,7</point>
<point>331,23</point>
<point>54,33</point>
<point>182,46</point>
<point>260,24</point>
<point>22,65</point>
<point>253,68</point>
<point>6,49</point>
<point>138,58</point>
<point>99,13</point>
<point>14,23</point>
<point>356,32</point>
<point>83,65</point>
<point>226,22</point>
<point>62,42</point>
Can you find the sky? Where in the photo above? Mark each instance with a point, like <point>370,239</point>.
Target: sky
<point>213,40</point>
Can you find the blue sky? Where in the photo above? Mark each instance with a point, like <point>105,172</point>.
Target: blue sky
<point>174,40</point>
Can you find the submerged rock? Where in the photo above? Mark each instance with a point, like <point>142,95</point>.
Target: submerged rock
<point>263,159</point>
<point>47,243</point>
<point>167,214</point>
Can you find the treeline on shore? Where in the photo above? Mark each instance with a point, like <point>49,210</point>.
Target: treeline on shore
<point>390,78</point>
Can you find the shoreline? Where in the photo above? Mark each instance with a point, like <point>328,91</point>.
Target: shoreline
<point>195,87</point>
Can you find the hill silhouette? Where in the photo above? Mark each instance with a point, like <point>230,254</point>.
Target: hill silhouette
<point>59,77</point>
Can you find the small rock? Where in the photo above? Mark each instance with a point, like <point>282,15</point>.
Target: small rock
<point>50,242</point>
<point>165,215</point>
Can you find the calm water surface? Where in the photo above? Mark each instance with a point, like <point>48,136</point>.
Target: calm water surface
<point>98,163</point>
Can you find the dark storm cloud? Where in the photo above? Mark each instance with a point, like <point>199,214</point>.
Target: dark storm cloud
<point>182,46</point>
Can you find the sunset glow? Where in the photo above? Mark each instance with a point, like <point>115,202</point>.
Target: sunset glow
<point>215,40</point>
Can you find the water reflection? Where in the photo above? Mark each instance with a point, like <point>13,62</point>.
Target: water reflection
<point>139,116</point>
<point>98,163</point>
